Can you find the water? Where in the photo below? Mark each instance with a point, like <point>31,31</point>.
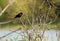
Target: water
<point>18,35</point>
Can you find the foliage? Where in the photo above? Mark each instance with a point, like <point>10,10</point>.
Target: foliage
<point>34,12</point>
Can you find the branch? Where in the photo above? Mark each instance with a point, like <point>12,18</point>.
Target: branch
<point>6,22</point>
<point>4,9</point>
<point>10,3</point>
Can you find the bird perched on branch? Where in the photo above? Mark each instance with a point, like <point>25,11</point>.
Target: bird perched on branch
<point>19,15</point>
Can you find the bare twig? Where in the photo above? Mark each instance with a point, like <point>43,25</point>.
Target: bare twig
<point>6,7</point>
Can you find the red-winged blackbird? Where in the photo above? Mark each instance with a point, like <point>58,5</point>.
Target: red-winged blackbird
<point>19,15</point>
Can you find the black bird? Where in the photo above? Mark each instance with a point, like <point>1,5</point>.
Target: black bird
<point>19,15</point>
